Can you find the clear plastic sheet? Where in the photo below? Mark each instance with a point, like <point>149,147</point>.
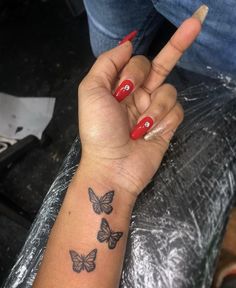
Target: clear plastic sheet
<point>179,220</point>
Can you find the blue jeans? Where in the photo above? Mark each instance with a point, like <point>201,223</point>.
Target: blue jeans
<point>213,53</point>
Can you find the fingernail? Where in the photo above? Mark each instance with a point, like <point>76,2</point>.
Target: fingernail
<point>124,90</point>
<point>201,13</point>
<point>129,37</point>
<point>158,130</point>
<point>141,128</point>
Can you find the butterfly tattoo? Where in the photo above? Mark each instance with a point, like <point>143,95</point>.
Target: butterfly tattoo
<point>106,234</point>
<point>102,204</point>
<point>82,262</point>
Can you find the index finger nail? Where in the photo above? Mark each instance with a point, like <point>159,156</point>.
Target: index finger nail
<point>129,37</point>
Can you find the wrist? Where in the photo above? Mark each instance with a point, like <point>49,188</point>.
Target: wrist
<point>104,178</point>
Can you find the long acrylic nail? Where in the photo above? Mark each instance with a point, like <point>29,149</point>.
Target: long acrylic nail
<point>201,13</point>
<point>141,128</point>
<point>129,37</point>
<point>124,90</point>
<point>158,130</point>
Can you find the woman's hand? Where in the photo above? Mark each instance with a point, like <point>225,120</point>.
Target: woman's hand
<point>88,240</point>
<point>108,126</point>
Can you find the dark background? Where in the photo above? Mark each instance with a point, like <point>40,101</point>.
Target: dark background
<point>44,52</point>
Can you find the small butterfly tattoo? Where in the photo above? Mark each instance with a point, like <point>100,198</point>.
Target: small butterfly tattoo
<point>101,204</point>
<point>82,262</point>
<point>106,234</point>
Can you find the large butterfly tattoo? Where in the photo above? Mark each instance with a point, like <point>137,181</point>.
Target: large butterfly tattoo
<point>82,262</point>
<point>101,204</point>
<point>106,234</point>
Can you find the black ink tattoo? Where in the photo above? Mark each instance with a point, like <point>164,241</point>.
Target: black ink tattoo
<point>82,262</point>
<point>106,234</point>
<point>101,204</point>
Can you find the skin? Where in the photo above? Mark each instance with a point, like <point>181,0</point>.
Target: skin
<point>111,160</point>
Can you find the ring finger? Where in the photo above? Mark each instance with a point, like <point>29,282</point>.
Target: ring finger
<point>163,99</point>
<point>167,127</point>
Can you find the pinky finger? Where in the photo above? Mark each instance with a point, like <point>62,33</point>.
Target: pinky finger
<point>168,125</point>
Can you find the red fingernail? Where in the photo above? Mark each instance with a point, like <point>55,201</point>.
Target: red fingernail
<point>141,128</point>
<point>129,37</point>
<point>124,90</point>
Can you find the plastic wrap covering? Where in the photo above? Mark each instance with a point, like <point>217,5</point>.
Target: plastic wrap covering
<point>179,220</point>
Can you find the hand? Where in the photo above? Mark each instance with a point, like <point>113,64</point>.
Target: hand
<point>105,124</point>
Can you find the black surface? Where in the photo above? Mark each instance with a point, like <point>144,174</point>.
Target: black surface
<point>12,237</point>
<point>229,282</point>
<point>16,151</point>
<point>44,52</point>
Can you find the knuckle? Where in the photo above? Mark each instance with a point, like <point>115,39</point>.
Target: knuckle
<point>176,45</point>
<point>160,69</point>
<point>146,89</point>
<point>103,59</point>
<point>171,90</point>
<point>162,108</point>
<point>143,75</point>
<point>179,113</point>
<point>144,61</point>
<point>177,118</point>
<point>140,66</point>
<point>102,56</point>
<point>140,60</point>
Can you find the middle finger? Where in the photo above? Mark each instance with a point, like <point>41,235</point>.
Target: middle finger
<point>167,58</point>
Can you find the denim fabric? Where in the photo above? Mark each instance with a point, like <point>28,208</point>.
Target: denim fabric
<point>212,53</point>
<point>109,21</point>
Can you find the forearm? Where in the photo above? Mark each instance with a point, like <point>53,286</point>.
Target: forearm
<point>77,230</point>
<point>87,244</point>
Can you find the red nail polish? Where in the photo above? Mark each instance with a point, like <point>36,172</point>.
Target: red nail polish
<point>124,90</point>
<point>129,37</point>
<point>141,128</point>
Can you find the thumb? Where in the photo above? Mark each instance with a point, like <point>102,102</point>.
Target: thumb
<point>104,72</point>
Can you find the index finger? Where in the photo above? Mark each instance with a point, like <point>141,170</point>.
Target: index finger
<point>107,67</point>
<point>167,58</point>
